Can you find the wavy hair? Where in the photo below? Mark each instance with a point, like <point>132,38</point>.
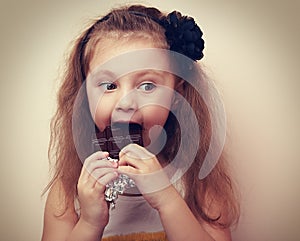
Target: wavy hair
<point>202,196</point>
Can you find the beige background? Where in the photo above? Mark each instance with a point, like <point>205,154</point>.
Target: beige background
<point>252,50</point>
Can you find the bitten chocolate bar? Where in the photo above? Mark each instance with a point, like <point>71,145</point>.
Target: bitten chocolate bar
<point>117,136</point>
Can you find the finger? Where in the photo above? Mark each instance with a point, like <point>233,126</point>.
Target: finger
<point>129,160</point>
<point>97,156</point>
<point>136,151</point>
<point>98,164</point>
<point>146,182</point>
<point>128,170</point>
<point>97,159</point>
<point>134,155</point>
<point>105,179</point>
<point>97,175</point>
<point>93,164</point>
<point>100,184</point>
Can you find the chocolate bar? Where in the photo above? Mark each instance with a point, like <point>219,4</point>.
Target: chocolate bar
<point>117,136</point>
<point>113,139</point>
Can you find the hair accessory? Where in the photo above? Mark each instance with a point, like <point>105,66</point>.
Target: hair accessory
<point>183,35</point>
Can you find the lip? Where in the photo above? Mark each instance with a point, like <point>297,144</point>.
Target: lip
<point>134,117</point>
<point>122,122</point>
<point>126,121</point>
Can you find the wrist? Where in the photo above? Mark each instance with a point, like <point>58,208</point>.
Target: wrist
<point>94,228</point>
<point>85,231</point>
<point>169,199</point>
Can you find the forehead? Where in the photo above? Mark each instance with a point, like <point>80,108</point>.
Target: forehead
<point>126,51</point>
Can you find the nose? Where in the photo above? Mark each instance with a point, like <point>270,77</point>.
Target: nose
<point>127,102</point>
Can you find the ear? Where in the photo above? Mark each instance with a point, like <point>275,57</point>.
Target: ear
<point>179,88</point>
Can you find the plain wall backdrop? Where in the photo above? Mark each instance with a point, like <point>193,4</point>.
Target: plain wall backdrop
<point>252,51</point>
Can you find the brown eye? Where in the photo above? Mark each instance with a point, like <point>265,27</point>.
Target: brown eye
<point>108,86</point>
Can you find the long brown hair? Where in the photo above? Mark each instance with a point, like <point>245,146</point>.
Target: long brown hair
<point>215,190</point>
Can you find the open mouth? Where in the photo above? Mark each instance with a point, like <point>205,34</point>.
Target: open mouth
<point>117,136</point>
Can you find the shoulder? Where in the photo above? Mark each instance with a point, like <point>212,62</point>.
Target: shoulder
<point>220,228</point>
<point>59,214</point>
<point>57,202</point>
<point>220,234</point>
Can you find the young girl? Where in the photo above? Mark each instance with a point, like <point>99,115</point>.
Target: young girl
<point>121,72</point>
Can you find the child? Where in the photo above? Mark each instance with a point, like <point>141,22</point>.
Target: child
<point>191,208</point>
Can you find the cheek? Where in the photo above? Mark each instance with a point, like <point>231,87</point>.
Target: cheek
<point>155,115</point>
<point>100,105</point>
<point>102,114</point>
<point>154,120</point>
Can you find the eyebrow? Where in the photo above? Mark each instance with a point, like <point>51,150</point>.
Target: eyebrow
<point>138,73</point>
<point>144,72</point>
<point>94,75</point>
<point>149,71</point>
<point>104,72</point>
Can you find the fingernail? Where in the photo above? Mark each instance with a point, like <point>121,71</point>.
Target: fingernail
<point>115,164</point>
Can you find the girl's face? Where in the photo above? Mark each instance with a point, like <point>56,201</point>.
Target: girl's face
<point>137,96</point>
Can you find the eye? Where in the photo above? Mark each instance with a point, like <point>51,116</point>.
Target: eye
<point>108,86</point>
<point>147,87</point>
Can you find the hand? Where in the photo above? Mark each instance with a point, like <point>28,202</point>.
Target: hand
<point>97,171</point>
<point>149,176</point>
